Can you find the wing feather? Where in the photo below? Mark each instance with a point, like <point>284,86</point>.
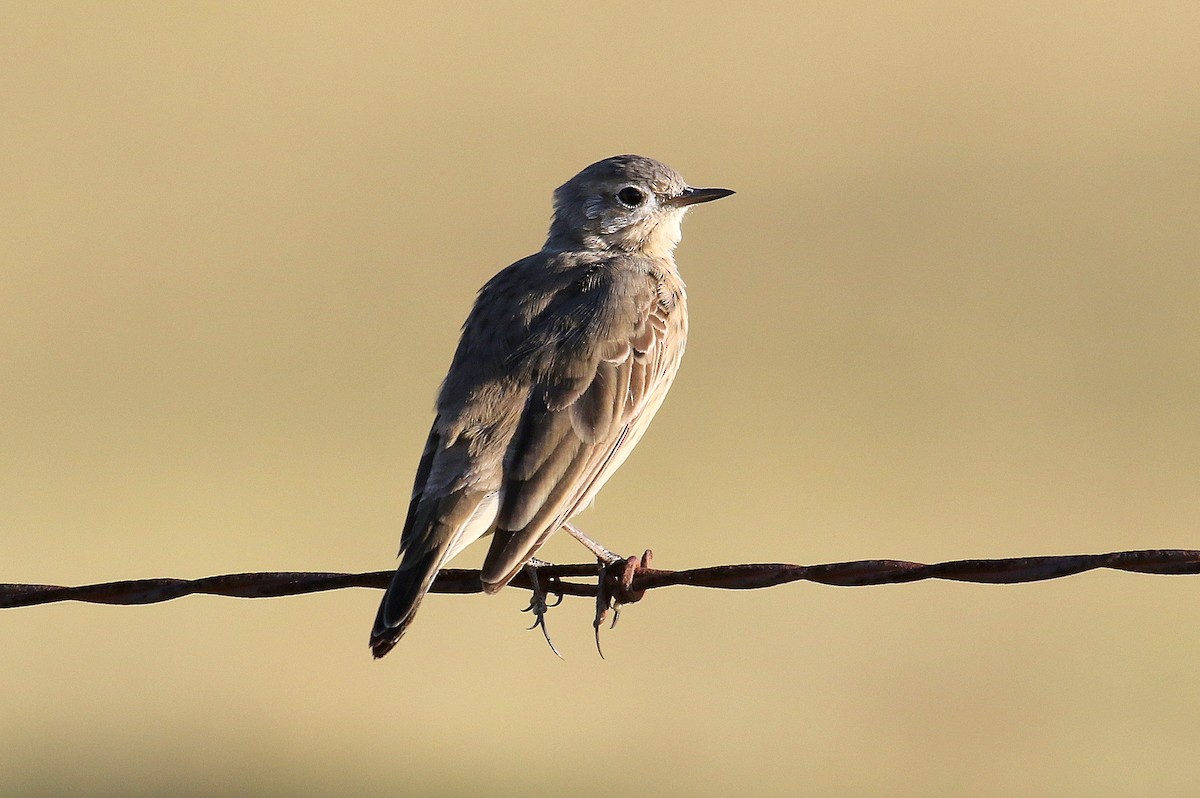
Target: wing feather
<point>570,441</point>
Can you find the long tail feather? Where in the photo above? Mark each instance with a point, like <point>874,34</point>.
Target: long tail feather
<point>399,606</point>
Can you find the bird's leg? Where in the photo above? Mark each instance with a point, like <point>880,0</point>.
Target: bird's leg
<point>604,555</point>
<point>537,602</point>
<point>604,601</point>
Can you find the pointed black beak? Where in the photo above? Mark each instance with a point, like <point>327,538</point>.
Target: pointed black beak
<point>691,196</point>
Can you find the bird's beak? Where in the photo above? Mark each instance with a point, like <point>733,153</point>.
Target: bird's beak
<point>691,196</point>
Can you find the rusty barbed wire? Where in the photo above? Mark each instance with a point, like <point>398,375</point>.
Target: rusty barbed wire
<point>624,580</point>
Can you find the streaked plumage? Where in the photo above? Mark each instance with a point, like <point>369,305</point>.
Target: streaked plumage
<point>563,361</point>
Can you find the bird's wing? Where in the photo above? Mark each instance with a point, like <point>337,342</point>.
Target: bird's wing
<point>445,489</point>
<point>598,387</point>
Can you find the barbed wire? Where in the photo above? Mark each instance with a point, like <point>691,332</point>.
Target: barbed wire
<point>624,581</point>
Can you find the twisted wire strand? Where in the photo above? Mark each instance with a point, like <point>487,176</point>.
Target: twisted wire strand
<point>558,579</point>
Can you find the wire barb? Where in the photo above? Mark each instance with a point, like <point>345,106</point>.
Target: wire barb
<point>631,585</point>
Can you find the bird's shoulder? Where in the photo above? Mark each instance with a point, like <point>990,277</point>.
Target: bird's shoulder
<point>549,275</point>
<point>550,318</point>
<point>577,290</point>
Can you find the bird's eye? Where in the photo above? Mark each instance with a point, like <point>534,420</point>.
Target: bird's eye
<point>630,197</point>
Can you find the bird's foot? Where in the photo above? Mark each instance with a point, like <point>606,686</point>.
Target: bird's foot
<point>614,588</point>
<point>538,604</point>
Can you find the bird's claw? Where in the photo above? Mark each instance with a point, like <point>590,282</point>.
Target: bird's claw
<point>538,604</point>
<point>614,587</point>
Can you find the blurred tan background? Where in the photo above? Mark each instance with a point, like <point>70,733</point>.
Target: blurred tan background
<point>951,312</point>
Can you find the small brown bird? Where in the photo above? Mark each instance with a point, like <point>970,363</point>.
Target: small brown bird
<point>563,361</point>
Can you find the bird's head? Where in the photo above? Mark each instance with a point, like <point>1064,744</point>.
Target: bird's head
<point>627,203</point>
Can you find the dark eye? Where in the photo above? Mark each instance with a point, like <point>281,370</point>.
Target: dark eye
<point>630,197</point>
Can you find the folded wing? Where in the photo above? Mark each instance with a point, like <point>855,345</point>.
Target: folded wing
<point>590,406</point>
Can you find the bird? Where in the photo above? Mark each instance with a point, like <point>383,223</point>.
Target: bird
<point>562,363</point>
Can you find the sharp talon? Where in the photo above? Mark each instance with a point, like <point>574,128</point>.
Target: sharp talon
<point>538,606</point>
<point>614,588</point>
<point>603,602</point>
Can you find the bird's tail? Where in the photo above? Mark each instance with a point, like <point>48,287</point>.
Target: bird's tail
<point>435,531</point>
<point>410,583</point>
